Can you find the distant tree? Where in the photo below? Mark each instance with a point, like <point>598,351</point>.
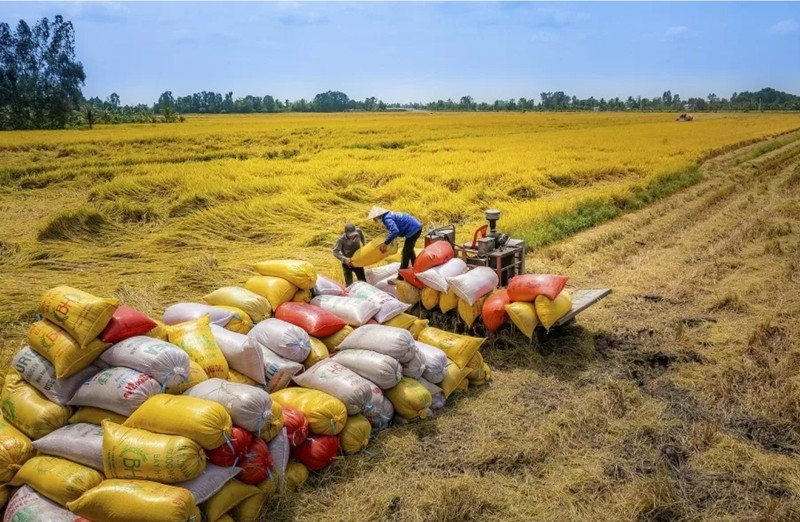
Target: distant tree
<point>113,100</point>
<point>330,101</point>
<point>269,104</point>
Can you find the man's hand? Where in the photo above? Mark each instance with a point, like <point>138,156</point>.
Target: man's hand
<point>348,261</point>
<point>384,247</point>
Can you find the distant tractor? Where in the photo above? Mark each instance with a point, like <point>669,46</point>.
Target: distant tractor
<point>685,117</point>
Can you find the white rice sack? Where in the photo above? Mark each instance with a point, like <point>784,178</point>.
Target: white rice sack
<point>26,505</point>
<point>248,406</point>
<point>355,312</point>
<point>435,362</point>
<point>182,312</point>
<point>161,360</point>
<point>375,367</point>
<point>41,374</point>
<point>382,272</point>
<point>390,306</point>
<point>437,394</point>
<point>436,277</point>
<point>474,284</point>
<point>327,286</point>
<point>385,286</point>
<point>81,443</point>
<point>279,450</point>
<point>278,371</point>
<point>397,343</point>
<point>120,390</point>
<point>245,359</point>
<point>415,367</point>
<point>210,481</point>
<point>283,338</point>
<point>380,415</point>
<point>334,379</point>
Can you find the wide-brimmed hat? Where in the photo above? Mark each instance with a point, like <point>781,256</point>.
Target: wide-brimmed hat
<point>376,212</point>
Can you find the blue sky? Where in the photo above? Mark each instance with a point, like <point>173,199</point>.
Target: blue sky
<point>421,51</point>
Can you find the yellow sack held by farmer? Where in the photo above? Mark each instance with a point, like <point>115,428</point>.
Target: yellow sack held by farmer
<point>300,273</point>
<point>15,450</point>
<point>80,314</point>
<point>470,313</point>
<point>29,410</point>
<point>60,480</point>
<point>429,298</point>
<point>326,414</point>
<point>254,305</point>
<point>370,253</point>
<point>411,400</point>
<point>231,495</point>
<point>120,500</point>
<point>249,509</point>
<point>92,415</point>
<point>296,475</point>
<point>318,352</point>
<point>453,378</point>
<point>448,301</point>
<point>130,453</point>
<point>355,435</point>
<point>523,315</point>
<point>196,376</point>
<point>550,311</point>
<point>333,341</point>
<point>276,289</point>
<point>275,426</point>
<point>64,352</point>
<point>195,338</point>
<point>458,348</point>
<point>203,421</point>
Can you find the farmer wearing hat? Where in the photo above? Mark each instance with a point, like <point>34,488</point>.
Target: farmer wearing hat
<point>402,225</point>
<point>345,247</point>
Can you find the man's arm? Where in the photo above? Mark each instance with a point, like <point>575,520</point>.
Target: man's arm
<point>394,232</point>
<point>337,250</point>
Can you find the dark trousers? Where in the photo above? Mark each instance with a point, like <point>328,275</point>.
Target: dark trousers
<point>350,270</point>
<point>409,256</point>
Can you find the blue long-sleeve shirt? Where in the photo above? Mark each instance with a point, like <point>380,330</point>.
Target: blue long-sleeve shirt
<point>400,224</point>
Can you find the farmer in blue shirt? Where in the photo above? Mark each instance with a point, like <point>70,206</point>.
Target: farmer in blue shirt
<point>402,225</point>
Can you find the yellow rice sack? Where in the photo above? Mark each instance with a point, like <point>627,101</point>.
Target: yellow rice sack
<point>448,301</point>
<point>120,500</point>
<point>300,273</point>
<point>277,290</point>
<point>92,415</point>
<point>523,315</point>
<point>240,378</point>
<point>429,298</point>
<point>475,363</point>
<point>326,414</point>
<point>481,376</point>
<point>302,296</point>
<point>196,376</point>
<point>64,352</point>
<point>462,386</point>
<point>60,480</point>
<point>549,312</point>
<point>296,475</point>
<point>333,341</point>
<point>411,400</point>
<point>82,315</point>
<point>28,409</point>
<point>130,453</point>
<point>402,320</point>
<point>254,305</point>
<point>231,495</point>
<point>370,253</point>
<point>454,376</point>
<point>470,313</point>
<point>276,424</point>
<point>203,421</point>
<point>5,494</point>
<point>459,348</point>
<point>318,352</point>
<point>240,322</point>
<point>417,328</point>
<point>15,450</point>
<point>159,332</point>
<point>196,339</point>
<point>407,293</point>
<point>355,435</point>
<point>249,509</point>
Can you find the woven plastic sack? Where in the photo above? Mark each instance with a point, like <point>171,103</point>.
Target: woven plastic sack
<point>240,378</point>
<point>37,371</point>
<point>285,339</point>
<point>390,306</point>
<point>448,301</point>
<point>371,254</point>
<point>469,313</point>
<point>82,315</point>
<point>5,494</point>
<point>415,367</point>
<point>160,332</point>
<point>327,286</point>
<point>433,255</point>
<point>244,358</point>
<point>302,296</point>
<point>334,379</point>
<point>300,273</point>
<point>126,322</point>
<point>326,414</point>
<point>411,400</point>
<point>353,311</point>
<point>394,342</point>
<point>240,322</point>
<point>184,312</point>
<point>26,504</point>
<point>332,342</point>
<point>248,406</point>
<point>523,315</point>
<point>277,290</point>
<point>437,394</point>
<point>404,321</point>
<point>375,367</point>
<point>408,275</point>
<point>28,410</point>
<point>15,450</point>
<point>429,298</point>
<point>209,481</point>
<point>81,443</point>
<point>458,348</point>
<point>313,319</point>
<point>388,285</point>
<point>249,509</point>
<point>118,500</point>
<point>296,426</point>
<point>58,479</point>
<point>196,375</point>
<point>454,376</point>
<point>355,435</point>
<point>407,293</point>
<point>474,284</point>
<point>417,327</point>
<point>203,421</point>
<point>317,451</point>
<point>256,463</point>
<point>380,273</point>
<point>162,361</point>
<point>435,361</point>
<point>234,448</point>
<point>96,416</point>
<point>318,352</point>
<point>121,390</point>
<point>64,352</point>
<point>279,449</point>
<point>254,305</point>
<point>526,287</point>
<point>380,415</point>
<point>494,310</point>
<point>279,371</point>
<point>196,339</point>
<point>296,475</point>
<point>436,277</point>
<point>227,498</point>
<point>276,425</point>
<point>549,312</point>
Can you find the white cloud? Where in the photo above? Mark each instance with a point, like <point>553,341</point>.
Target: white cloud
<point>785,27</point>
<point>677,32</point>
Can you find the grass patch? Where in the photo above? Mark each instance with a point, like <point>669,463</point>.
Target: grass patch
<point>80,223</point>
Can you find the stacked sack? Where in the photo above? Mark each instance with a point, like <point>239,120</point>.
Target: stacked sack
<point>529,301</point>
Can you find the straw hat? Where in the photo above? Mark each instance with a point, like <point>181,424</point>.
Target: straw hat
<point>376,212</point>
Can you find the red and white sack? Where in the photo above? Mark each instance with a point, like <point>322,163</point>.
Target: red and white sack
<point>327,286</point>
<point>210,481</point>
<point>415,367</point>
<point>355,312</point>
<point>436,277</point>
<point>245,359</point>
<point>474,284</point>
<point>41,374</point>
<point>161,360</point>
<point>390,306</point>
<point>285,339</point>
<point>334,379</point>
<point>182,312</point>
<point>249,407</point>
<point>279,449</point>
<point>397,343</point>
<point>375,367</point>
<point>278,371</point>
<point>384,285</point>
<point>435,362</point>
<point>382,273</point>
<point>81,443</point>
<point>437,394</point>
<point>26,504</point>
<point>121,390</point>
<point>381,412</point>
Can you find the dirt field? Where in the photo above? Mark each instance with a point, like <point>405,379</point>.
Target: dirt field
<point>676,398</point>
